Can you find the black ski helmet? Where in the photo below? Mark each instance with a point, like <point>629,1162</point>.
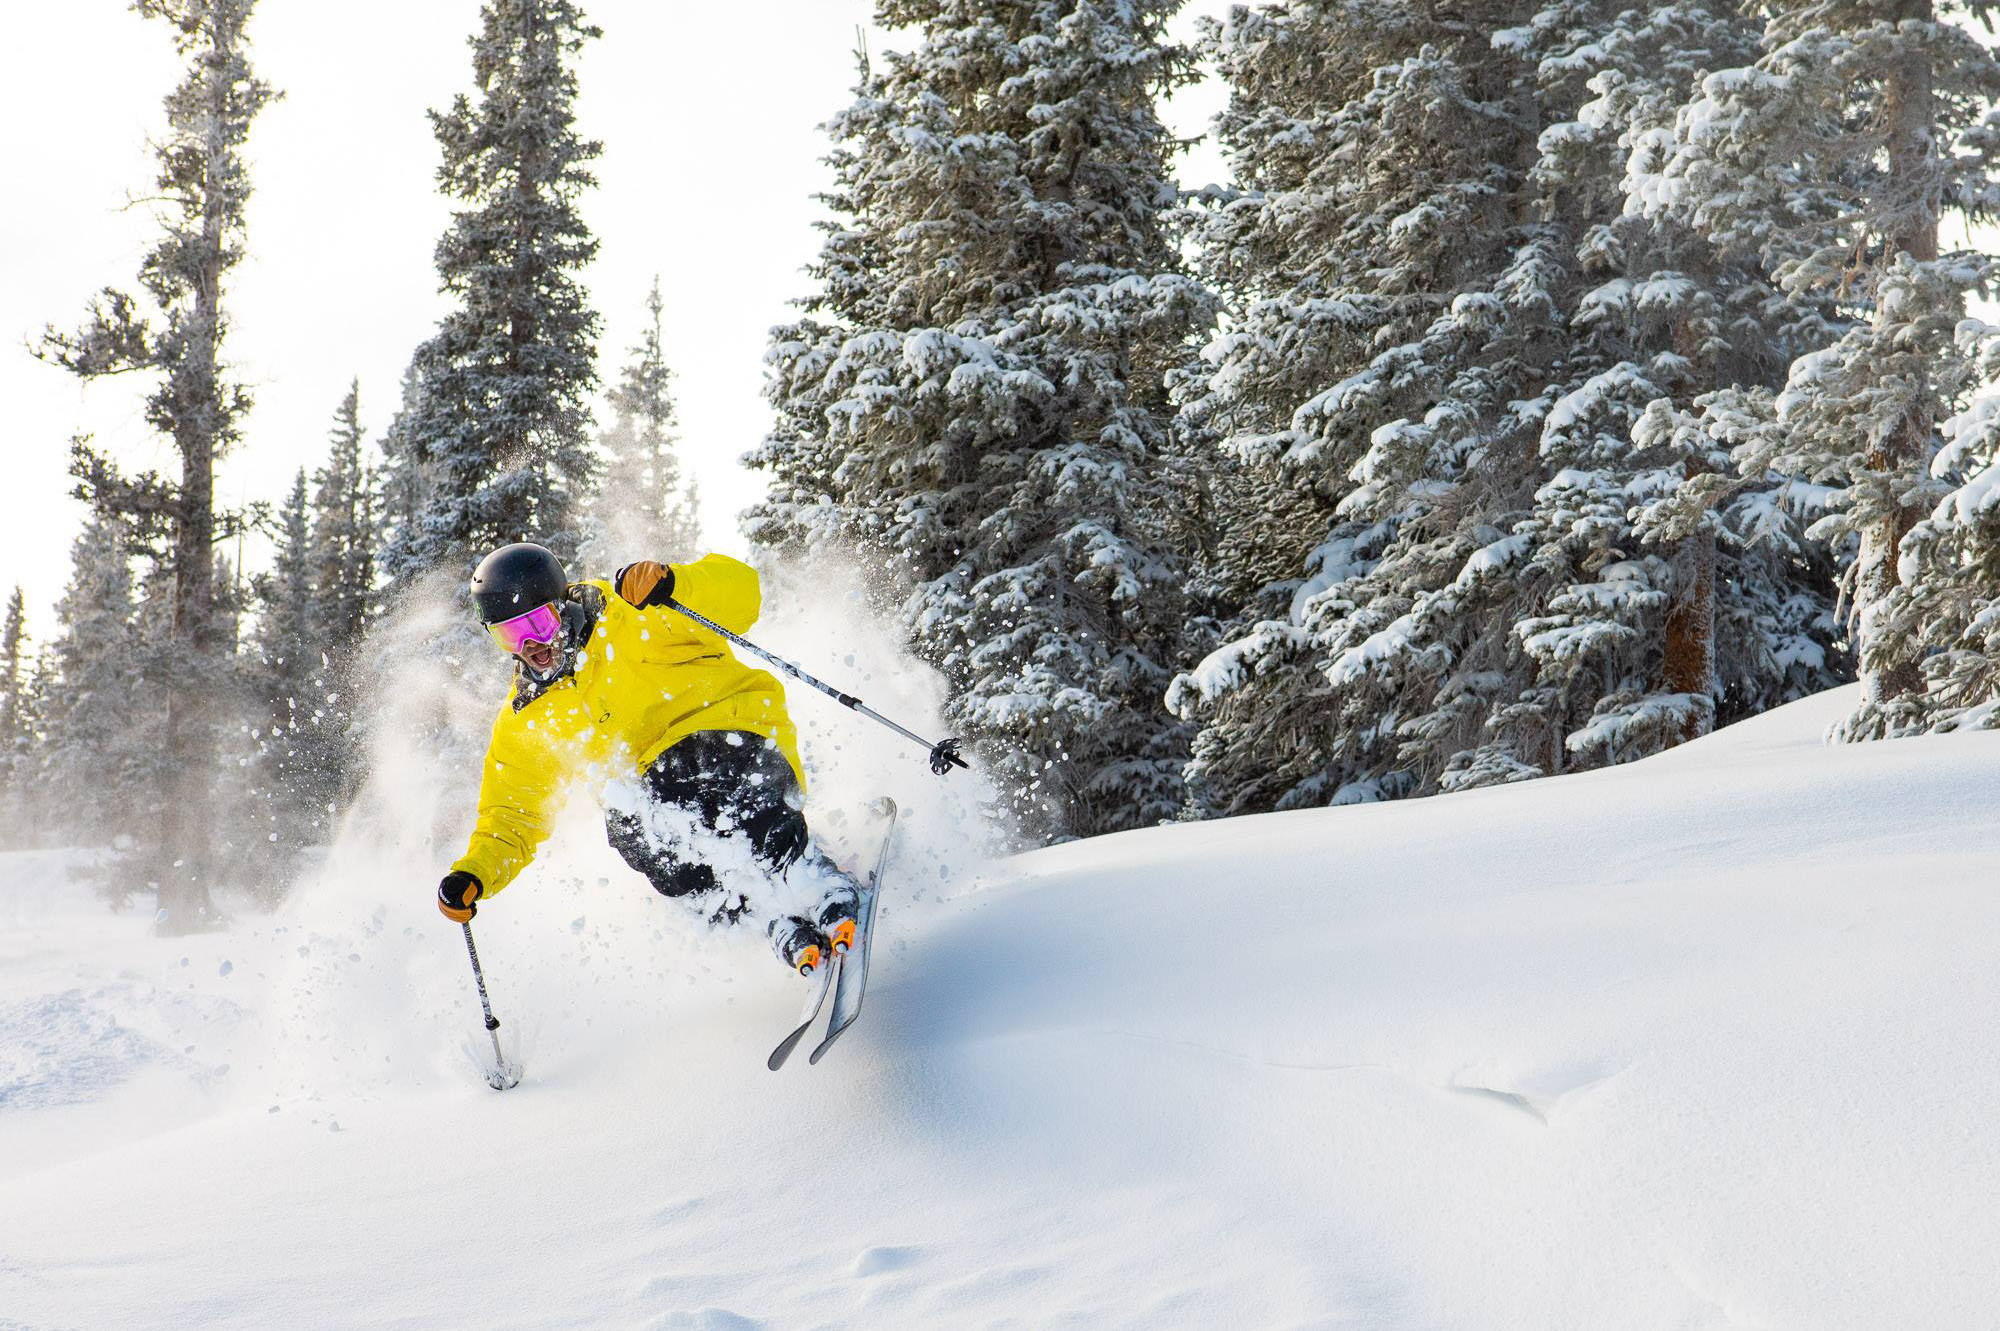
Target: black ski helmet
<point>515,579</point>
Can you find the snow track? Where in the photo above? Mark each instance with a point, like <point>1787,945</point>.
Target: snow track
<point>1697,1043</point>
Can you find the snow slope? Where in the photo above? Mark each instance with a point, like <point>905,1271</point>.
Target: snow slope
<point>1702,1042</point>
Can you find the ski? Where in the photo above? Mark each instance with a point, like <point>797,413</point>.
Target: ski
<point>851,975</point>
<point>822,985</point>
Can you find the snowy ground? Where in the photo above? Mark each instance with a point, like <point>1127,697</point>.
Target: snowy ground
<point>1704,1042</point>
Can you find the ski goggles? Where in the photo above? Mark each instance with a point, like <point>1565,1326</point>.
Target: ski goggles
<point>542,624</point>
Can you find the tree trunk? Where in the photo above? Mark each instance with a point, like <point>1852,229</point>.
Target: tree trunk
<point>1910,107</point>
<point>190,822</point>
<point>1690,645</point>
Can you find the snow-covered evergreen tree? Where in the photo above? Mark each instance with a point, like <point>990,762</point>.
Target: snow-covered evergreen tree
<point>17,721</point>
<point>494,441</point>
<point>342,552</point>
<point>28,802</point>
<point>202,189</point>
<point>232,600</point>
<point>1832,159</point>
<point>1948,595</point>
<point>104,763</point>
<point>977,396</point>
<point>298,764</point>
<point>314,609</point>
<point>1448,334</point>
<point>342,559</point>
<point>1678,595</point>
<point>648,506</point>
<point>401,499</point>
<point>1391,284</point>
<point>13,683</point>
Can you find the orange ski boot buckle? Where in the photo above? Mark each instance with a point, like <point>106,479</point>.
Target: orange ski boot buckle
<point>841,935</point>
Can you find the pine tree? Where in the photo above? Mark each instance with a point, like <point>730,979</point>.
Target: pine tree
<point>400,503</point>
<point>1680,594</point>
<point>342,551</point>
<point>13,685</point>
<point>1480,568</point>
<point>288,629</point>
<point>340,591</point>
<point>104,765</point>
<point>298,754</point>
<point>203,187</point>
<point>648,504</point>
<point>28,805</point>
<point>231,601</point>
<point>977,397</point>
<point>1831,159</point>
<point>1391,282</point>
<point>1948,595</point>
<point>17,722</point>
<point>494,442</point>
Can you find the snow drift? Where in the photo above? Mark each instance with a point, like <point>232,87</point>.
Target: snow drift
<point>1695,1043</point>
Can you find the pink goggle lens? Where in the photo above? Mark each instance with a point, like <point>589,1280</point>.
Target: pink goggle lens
<point>542,624</point>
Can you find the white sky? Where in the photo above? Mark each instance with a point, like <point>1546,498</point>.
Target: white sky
<point>711,160</point>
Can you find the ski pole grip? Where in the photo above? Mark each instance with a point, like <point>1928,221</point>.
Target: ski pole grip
<point>944,757</point>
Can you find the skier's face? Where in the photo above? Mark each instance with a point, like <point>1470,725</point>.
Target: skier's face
<point>534,637</point>
<point>540,656</point>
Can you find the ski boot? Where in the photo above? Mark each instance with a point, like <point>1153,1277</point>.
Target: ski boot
<point>799,944</point>
<point>836,912</point>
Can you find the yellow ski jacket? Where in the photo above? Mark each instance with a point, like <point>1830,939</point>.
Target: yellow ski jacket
<point>643,680</point>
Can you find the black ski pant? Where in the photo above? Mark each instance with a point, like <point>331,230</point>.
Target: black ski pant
<point>733,782</point>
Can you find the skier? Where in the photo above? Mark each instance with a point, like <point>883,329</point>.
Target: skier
<point>611,681</point>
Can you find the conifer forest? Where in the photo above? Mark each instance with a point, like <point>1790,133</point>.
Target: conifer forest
<point>1535,388</point>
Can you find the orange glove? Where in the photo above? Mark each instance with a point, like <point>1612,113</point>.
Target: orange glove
<point>456,894</point>
<point>645,583</point>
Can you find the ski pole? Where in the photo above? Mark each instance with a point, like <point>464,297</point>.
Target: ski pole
<point>944,753</point>
<point>485,1004</point>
